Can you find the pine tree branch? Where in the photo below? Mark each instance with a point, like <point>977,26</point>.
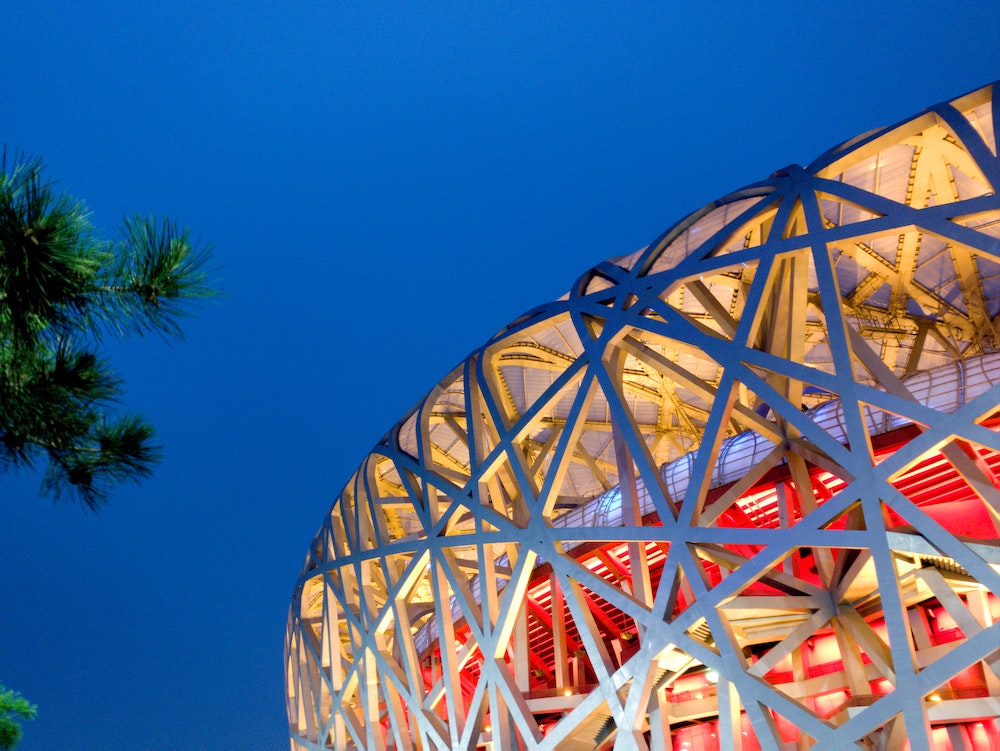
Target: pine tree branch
<point>61,288</point>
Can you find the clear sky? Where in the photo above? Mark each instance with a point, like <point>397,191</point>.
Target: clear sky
<point>386,185</point>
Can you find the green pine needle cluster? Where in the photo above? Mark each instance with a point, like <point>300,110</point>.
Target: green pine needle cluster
<point>14,709</point>
<point>63,288</point>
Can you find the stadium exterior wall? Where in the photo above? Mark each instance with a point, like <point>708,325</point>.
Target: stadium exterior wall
<point>738,489</point>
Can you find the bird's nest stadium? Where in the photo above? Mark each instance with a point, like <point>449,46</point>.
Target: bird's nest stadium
<point>736,490</point>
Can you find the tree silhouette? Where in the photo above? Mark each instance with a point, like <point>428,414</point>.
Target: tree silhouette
<point>63,289</point>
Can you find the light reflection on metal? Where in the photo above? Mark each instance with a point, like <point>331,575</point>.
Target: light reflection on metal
<point>737,489</point>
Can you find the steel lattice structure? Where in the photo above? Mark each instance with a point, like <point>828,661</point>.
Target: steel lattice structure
<point>738,489</point>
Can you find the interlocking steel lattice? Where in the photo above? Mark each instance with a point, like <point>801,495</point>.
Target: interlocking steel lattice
<point>738,489</point>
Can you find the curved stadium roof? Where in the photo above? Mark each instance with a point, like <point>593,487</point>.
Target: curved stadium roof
<point>739,486</point>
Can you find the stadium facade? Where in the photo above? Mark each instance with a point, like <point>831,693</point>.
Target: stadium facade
<point>737,490</point>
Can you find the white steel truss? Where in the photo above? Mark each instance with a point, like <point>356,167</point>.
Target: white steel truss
<point>736,490</point>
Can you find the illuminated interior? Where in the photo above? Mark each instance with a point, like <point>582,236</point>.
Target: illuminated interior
<point>738,489</point>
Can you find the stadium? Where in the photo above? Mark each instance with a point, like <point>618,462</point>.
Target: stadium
<point>736,490</point>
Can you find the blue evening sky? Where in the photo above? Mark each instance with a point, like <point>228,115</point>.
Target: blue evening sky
<point>386,185</point>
